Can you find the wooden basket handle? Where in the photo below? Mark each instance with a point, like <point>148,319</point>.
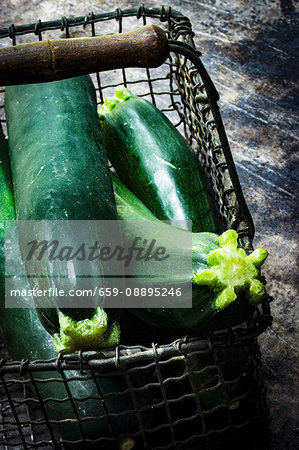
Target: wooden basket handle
<point>57,59</point>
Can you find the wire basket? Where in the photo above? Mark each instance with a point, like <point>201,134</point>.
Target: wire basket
<point>196,392</point>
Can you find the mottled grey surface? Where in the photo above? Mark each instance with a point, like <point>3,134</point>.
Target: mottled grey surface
<point>249,49</point>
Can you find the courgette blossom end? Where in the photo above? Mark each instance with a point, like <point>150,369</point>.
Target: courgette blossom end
<point>121,94</point>
<point>87,334</point>
<point>107,107</point>
<point>232,271</point>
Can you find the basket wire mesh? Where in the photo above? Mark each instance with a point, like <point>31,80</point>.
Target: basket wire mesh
<point>205,390</point>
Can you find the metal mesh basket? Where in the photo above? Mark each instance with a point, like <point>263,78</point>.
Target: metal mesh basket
<point>202,392</point>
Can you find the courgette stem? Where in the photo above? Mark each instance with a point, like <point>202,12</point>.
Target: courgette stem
<point>120,95</point>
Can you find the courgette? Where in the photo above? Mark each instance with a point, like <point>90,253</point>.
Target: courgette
<point>156,163</point>
<point>60,172</point>
<point>226,286</point>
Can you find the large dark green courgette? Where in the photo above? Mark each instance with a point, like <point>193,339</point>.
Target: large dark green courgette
<point>152,158</point>
<point>60,172</point>
<point>226,286</point>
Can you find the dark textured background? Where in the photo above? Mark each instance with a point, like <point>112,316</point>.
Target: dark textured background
<point>249,48</point>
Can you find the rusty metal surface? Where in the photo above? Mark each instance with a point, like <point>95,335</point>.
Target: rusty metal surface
<point>249,49</point>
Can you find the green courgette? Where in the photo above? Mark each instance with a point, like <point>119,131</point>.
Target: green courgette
<point>226,286</point>
<point>60,172</point>
<point>156,163</point>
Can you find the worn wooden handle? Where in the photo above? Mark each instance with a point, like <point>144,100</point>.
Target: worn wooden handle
<point>57,59</point>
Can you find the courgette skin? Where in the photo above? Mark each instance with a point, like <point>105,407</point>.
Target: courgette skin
<point>156,163</point>
<point>57,147</point>
<point>7,207</point>
<point>221,296</point>
<point>60,172</point>
<point>26,338</point>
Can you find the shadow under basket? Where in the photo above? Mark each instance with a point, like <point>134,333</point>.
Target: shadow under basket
<point>201,392</point>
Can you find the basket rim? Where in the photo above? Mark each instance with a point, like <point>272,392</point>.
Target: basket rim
<point>164,13</point>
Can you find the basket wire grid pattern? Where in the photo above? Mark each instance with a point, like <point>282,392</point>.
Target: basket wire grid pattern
<point>174,395</point>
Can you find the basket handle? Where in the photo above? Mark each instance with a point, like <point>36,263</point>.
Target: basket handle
<point>57,59</point>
